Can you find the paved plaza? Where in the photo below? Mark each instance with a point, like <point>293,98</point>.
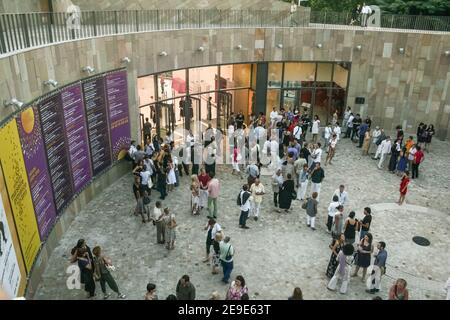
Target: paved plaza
<point>278,252</point>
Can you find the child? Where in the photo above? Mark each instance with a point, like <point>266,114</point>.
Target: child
<point>402,163</point>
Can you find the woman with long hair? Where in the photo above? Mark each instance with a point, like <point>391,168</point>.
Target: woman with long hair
<point>237,289</point>
<point>315,128</point>
<point>335,246</point>
<point>403,187</point>
<point>365,249</point>
<point>102,273</point>
<point>195,186</point>
<point>398,291</point>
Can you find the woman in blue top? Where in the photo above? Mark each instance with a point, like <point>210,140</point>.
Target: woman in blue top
<point>402,163</point>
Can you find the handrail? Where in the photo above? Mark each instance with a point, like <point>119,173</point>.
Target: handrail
<point>28,30</point>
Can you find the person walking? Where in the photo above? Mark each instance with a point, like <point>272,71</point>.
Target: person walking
<point>212,227</point>
<point>303,180</point>
<point>418,159</point>
<point>335,247</point>
<point>237,289</point>
<point>343,270</point>
<point>159,223</point>
<point>213,194</point>
<point>257,190</point>
<point>286,193</point>
<point>170,229</point>
<point>102,274</point>
<point>350,228</point>
<point>403,187</point>
<point>226,258</point>
<point>243,201</point>
<point>311,211</point>
<point>185,289</point>
<point>317,175</point>
<point>364,252</point>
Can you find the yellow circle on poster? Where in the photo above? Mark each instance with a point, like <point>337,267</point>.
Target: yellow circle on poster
<point>27,118</point>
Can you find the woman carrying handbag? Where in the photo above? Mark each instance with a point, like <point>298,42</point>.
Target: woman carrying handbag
<point>103,268</point>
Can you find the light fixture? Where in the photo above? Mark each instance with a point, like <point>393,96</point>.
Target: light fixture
<point>201,49</point>
<point>359,47</point>
<point>125,60</point>
<point>13,103</point>
<point>239,46</point>
<point>89,69</point>
<point>401,50</point>
<point>280,46</point>
<point>163,54</point>
<point>319,45</point>
<point>447,53</point>
<point>51,82</point>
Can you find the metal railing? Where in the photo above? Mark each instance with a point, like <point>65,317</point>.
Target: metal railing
<point>27,30</point>
<point>393,21</point>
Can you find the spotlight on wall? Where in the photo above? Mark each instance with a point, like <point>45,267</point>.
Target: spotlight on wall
<point>89,69</point>
<point>359,47</point>
<point>319,45</point>
<point>201,49</point>
<point>239,47</point>
<point>280,46</point>
<point>447,53</point>
<point>51,82</point>
<point>13,103</point>
<point>126,60</point>
<point>163,54</point>
<point>401,50</point>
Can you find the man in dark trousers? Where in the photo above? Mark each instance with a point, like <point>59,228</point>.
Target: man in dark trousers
<point>244,203</point>
<point>185,289</point>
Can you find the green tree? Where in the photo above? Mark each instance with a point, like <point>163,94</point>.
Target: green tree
<point>414,7</point>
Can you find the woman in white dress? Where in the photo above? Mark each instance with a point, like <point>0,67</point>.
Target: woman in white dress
<point>171,177</point>
<point>315,128</point>
<point>195,187</point>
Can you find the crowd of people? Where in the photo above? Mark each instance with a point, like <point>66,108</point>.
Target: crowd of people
<point>297,166</point>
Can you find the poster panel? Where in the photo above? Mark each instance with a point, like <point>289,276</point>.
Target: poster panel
<point>52,122</point>
<point>97,120</point>
<point>35,159</point>
<point>12,272</point>
<point>75,124</point>
<point>117,96</point>
<point>19,192</point>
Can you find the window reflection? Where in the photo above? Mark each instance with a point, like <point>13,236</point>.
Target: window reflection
<point>298,75</point>
<point>274,75</point>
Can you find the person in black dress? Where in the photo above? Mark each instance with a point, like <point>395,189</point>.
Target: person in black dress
<point>335,246</point>
<point>430,133</point>
<point>395,153</point>
<point>363,255</point>
<point>286,192</point>
<point>87,271</point>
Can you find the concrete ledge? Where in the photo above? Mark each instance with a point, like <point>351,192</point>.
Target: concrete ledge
<point>78,204</point>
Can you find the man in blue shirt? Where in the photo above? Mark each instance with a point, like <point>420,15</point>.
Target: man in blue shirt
<point>362,131</point>
<point>380,262</point>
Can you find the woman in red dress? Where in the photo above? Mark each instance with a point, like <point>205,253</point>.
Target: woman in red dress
<point>403,187</point>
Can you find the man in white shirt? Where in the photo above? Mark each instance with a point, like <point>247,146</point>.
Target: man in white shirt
<point>366,11</point>
<point>212,227</point>
<point>337,131</point>
<point>332,209</point>
<point>342,195</point>
<point>273,117</point>
<point>349,125</point>
<point>190,139</point>
<point>244,196</point>
<point>159,223</point>
<point>274,149</point>
<point>132,150</point>
<point>375,134</point>
<point>385,150</point>
<point>316,155</point>
<point>298,133</point>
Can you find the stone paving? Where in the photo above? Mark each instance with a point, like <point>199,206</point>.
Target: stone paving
<point>278,252</point>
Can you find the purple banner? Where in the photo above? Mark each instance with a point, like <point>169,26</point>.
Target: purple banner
<point>52,122</point>
<point>36,164</point>
<point>97,120</point>
<point>75,123</point>
<point>117,95</point>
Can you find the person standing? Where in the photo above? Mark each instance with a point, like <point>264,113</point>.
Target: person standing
<point>385,150</point>
<point>365,249</point>
<point>245,205</point>
<point>338,222</point>
<point>418,159</point>
<point>402,164</point>
<point>151,292</point>
<point>316,155</point>
<point>298,133</point>
<point>286,192</point>
<point>356,123</point>
<point>366,11</point>
<point>411,155</point>
<point>398,291</point>
<point>342,195</point>
<point>332,209</point>
<point>380,139</point>
<point>303,180</point>
<point>342,273</point>
<point>403,187</point>
<point>366,222</point>
<point>147,129</point>
<point>226,258</point>
<point>327,134</point>
<point>159,223</point>
<point>363,128</point>
<point>213,194</point>
<point>277,182</point>
<point>380,262</point>
<point>170,227</point>
<point>195,189</point>
<point>345,120</point>
<point>311,211</point>
<point>237,289</point>
<point>315,128</point>
<point>331,149</point>
<point>103,275</point>
<point>317,176</point>
<point>185,289</point>
<point>350,228</point>
<point>356,12</point>
<point>366,143</point>
<point>395,152</point>
<point>335,247</point>
<point>375,134</point>
<point>430,133</point>
<point>86,271</point>
<point>204,179</point>
<point>257,190</point>
<point>215,261</point>
<point>212,228</point>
